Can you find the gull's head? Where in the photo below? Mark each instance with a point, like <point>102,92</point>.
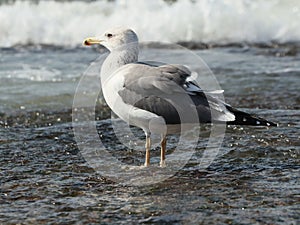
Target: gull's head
<point>114,38</point>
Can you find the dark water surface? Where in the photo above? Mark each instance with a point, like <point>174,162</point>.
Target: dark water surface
<point>46,180</point>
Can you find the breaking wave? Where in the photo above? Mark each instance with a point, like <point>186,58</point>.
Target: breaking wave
<point>210,21</point>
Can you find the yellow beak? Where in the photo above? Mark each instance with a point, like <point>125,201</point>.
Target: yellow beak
<point>91,41</point>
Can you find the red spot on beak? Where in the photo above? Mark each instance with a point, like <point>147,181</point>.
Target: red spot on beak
<point>86,43</point>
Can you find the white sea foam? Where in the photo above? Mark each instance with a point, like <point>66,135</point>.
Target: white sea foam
<point>220,21</point>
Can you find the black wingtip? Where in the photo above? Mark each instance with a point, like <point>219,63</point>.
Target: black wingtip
<point>263,122</point>
<point>243,118</point>
<point>271,124</point>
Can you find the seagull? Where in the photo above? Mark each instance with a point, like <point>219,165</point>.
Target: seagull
<point>158,97</point>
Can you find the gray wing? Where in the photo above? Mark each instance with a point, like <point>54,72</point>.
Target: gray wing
<point>145,78</point>
<point>165,91</point>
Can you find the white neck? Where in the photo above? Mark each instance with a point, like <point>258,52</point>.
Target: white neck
<point>117,58</point>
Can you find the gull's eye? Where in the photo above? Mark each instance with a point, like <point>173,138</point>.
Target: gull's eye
<point>109,35</point>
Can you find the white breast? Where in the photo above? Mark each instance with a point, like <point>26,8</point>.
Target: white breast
<point>132,115</point>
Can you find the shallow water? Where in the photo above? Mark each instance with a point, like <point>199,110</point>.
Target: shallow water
<point>46,179</point>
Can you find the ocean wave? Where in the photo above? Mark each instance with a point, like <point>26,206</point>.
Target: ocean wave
<point>208,21</point>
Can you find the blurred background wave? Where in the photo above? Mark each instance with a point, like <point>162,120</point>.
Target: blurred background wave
<point>66,23</point>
